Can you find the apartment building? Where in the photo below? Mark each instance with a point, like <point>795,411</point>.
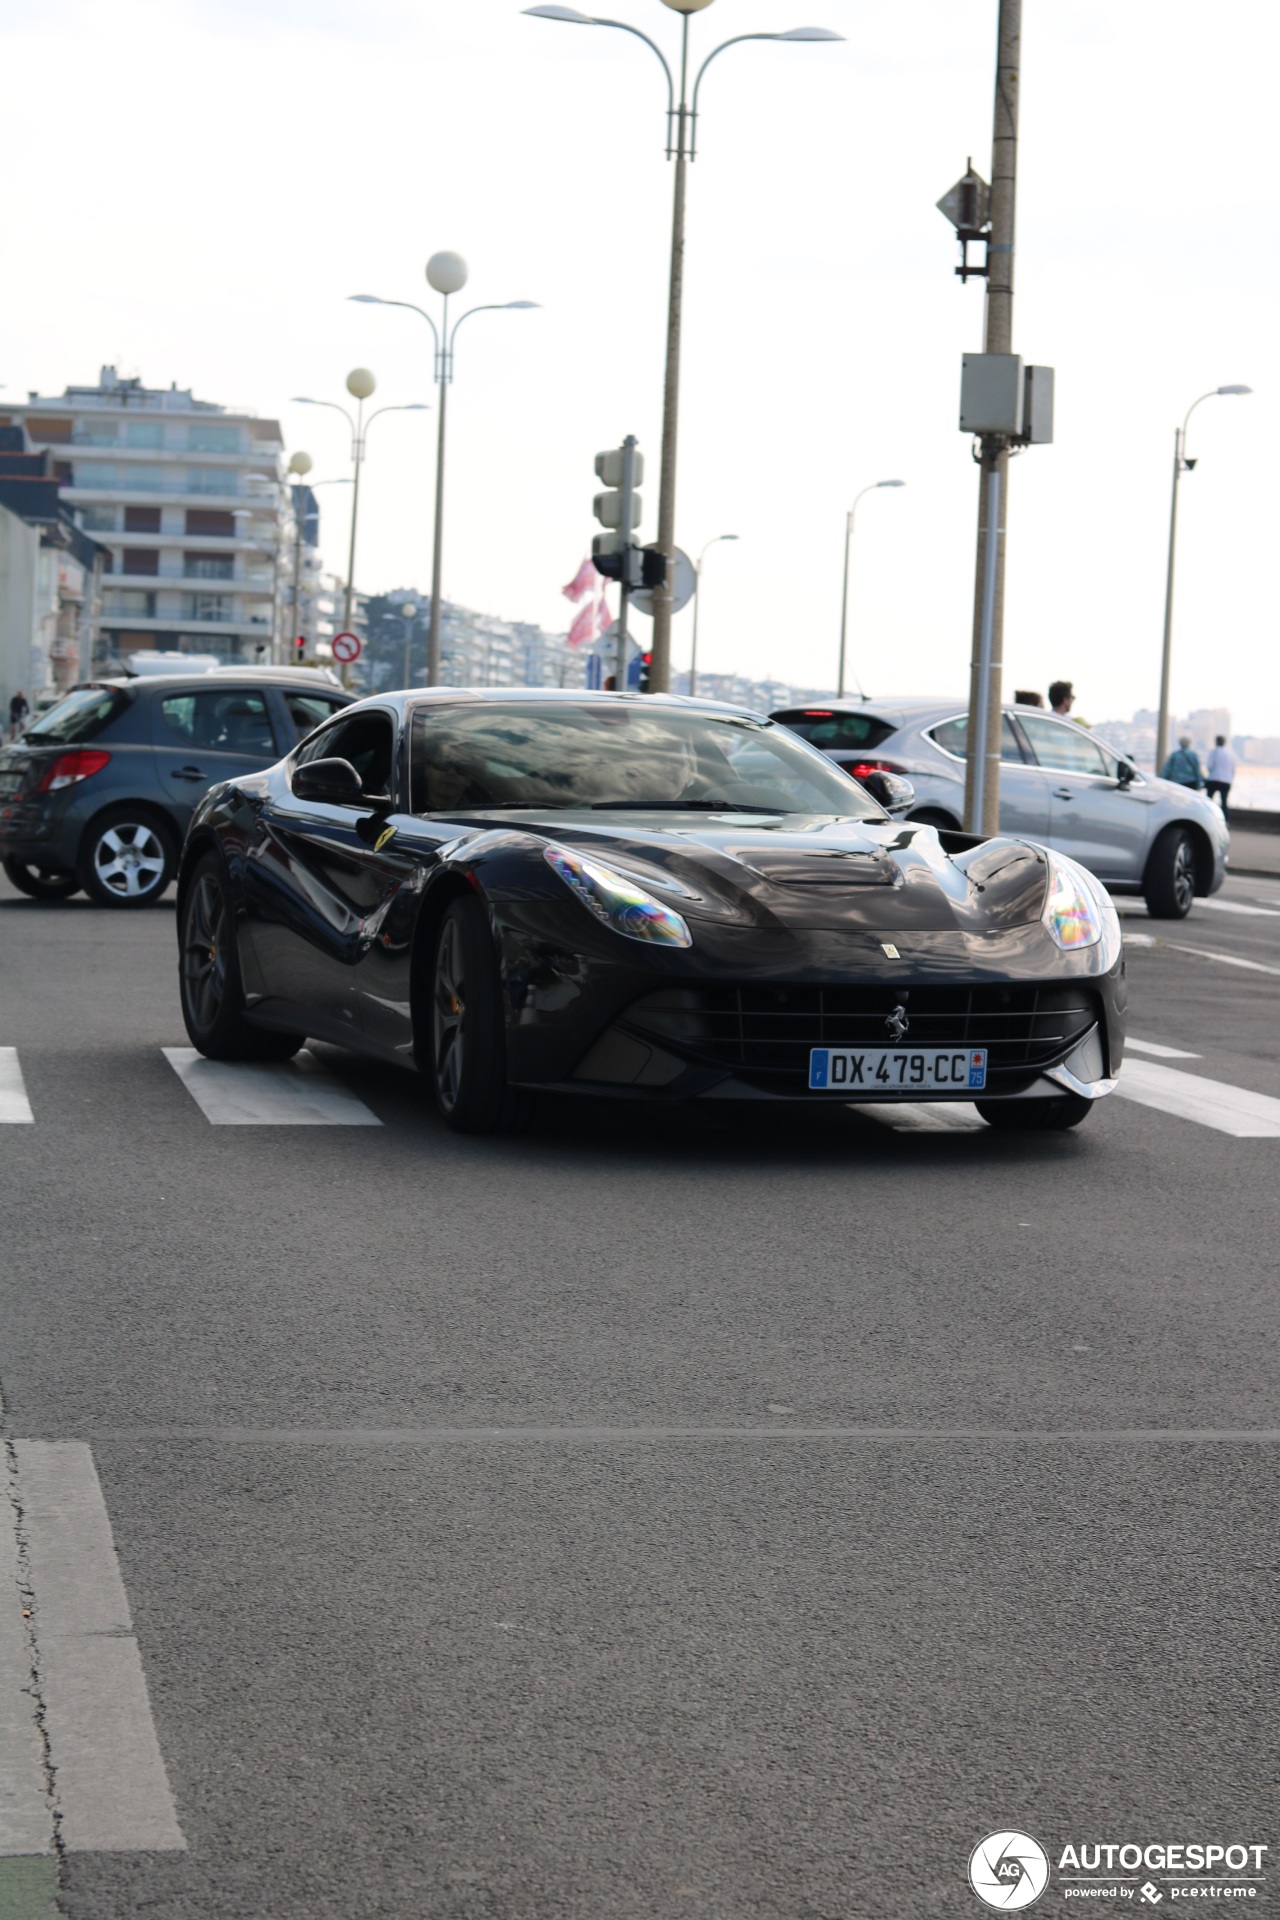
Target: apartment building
<point>186,497</point>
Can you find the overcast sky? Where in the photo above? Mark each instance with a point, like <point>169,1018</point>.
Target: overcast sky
<point>203,181</point>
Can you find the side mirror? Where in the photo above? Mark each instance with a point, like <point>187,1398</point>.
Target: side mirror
<point>1125,774</point>
<point>893,792</point>
<point>333,780</point>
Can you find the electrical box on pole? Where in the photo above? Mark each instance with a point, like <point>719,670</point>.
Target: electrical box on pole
<point>992,394</point>
<point>1037,407</point>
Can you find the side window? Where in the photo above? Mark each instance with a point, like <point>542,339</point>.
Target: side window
<point>308,710</point>
<point>953,735</point>
<point>1062,748</point>
<point>366,740</point>
<point>224,722</point>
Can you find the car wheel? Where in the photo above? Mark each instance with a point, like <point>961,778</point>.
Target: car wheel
<point>127,859</point>
<point>468,1041</point>
<point>1169,884</point>
<point>41,883</point>
<point>213,1006</point>
<point>1035,1116</point>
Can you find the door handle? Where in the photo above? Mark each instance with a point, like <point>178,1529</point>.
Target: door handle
<point>1064,793</point>
<point>186,773</point>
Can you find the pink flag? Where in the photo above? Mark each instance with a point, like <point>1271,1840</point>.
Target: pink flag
<point>582,582</point>
<point>584,626</point>
<point>604,617</point>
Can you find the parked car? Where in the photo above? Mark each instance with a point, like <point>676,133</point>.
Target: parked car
<point>1058,785</point>
<point>99,791</point>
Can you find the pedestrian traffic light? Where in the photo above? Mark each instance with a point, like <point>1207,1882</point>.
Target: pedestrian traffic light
<point>300,649</point>
<point>646,661</point>
<point>618,507</point>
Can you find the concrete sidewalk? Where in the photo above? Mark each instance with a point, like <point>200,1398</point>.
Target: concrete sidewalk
<point>1253,852</point>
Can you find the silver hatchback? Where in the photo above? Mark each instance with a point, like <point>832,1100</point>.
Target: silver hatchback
<point>1058,785</point>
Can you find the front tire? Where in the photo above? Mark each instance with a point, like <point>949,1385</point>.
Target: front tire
<point>127,859</point>
<point>467,1032</point>
<point>1035,1116</point>
<point>1169,884</point>
<point>212,992</point>
<point>38,883</point>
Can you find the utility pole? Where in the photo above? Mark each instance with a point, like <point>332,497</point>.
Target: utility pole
<point>986,670</point>
<point>663,593</point>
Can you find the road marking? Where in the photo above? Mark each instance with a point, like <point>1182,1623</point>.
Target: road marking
<point>923,1116</point>
<point>26,1819</point>
<point>595,1436</point>
<point>1140,940</point>
<point>1211,1103</point>
<point>1239,906</point>
<point>294,1093</point>
<point>112,1791</point>
<point>1227,959</point>
<point>15,1108</point>
<point>1161,1053</point>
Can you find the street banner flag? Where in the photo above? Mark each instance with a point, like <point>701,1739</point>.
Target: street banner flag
<point>583,581</point>
<point>584,626</point>
<point>603,615</point>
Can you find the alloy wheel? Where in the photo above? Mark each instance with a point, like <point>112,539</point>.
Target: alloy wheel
<point>204,952</point>
<point>1184,876</point>
<point>448,1016</point>
<point>129,860</point>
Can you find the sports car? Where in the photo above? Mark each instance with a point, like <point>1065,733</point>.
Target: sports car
<point>641,897</point>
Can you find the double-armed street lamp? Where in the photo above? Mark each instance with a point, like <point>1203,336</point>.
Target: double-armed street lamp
<point>1181,465</point>
<point>446,274</point>
<point>848,542</point>
<point>682,135</point>
<point>697,603</point>
<point>360,385</point>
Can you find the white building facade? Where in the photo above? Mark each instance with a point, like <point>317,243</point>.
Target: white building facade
<point>186,497</point>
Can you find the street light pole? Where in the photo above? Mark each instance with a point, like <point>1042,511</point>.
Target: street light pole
<point>301,464</point>
<point>844,593</point>
<point>1180,464</point>
<point>697,604</point>
<point>682,119</point>
<point>446,273</point>
<point>407,612</point>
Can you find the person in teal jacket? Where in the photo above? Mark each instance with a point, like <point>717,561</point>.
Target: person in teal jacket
<point>1183,764</point>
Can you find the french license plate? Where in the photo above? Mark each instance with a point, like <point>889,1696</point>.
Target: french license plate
<point>10,782</point>
<point>897,1069</point>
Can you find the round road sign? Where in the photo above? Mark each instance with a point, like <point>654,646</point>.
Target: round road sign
<point>347,647</point>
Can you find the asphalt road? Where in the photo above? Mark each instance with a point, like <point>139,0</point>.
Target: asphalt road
<point>713,1516</point>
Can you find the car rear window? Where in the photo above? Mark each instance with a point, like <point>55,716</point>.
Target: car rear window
<point>83,715</point>
<point>309,710</point>
<point>836,732</point>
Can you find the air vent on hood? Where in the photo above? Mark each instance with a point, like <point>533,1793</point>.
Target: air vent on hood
<point>792,866</point>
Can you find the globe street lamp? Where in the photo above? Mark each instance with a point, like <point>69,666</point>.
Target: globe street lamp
<point>848,541</point>
<point>360,384</point>
<point>407,612</point>
<point>446,274</point>
<point>697,602</point>
<point>1180,465</point>
<point>682,124</point>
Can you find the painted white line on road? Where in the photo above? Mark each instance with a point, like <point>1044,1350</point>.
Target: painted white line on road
<point>26,1820</point>
<point>1140,940</point>
<point>1161,1053</point>
<point>112,1792</point>
<point>1239,906</point>
<point>15,1108</point>
<point>295,1093</point>
<point>1210,1103</point>
<point>923,1116</point>
<point>1227,959</point>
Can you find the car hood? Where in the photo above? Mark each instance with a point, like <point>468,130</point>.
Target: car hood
<point>814,871</point>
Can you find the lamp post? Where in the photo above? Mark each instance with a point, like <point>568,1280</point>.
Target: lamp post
<point>446,274</point>
<point>682,139</point>
<point>301,464</point>
<point>407,612</point>
<point>697,603</point>
<point>848,542</point>
<point>360,384</point>
<point>1181,464</point>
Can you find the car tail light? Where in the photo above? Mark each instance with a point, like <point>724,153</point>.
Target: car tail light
<point>70,767</point>
<point>860,768</point>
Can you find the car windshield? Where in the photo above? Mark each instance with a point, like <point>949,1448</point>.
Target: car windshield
<point>81,716</point>
<point>621,753</point>
<point>836,732</point>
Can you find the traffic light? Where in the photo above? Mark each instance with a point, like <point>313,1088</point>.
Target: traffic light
<point>618,507</point>
<point>646,661</point>
<point>300,649</point>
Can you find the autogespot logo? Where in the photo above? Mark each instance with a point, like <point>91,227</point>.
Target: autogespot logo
<point>1008,1871</point>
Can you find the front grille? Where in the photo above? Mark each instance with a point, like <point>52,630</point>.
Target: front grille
<point>763,1034</point>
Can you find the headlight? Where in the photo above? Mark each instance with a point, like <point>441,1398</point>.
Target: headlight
<point>1078,910</point>
<point>617,902</point>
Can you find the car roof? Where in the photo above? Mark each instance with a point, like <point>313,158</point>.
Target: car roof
<point>910,707</point>
<point>562,696</point>
<point>223,676</point>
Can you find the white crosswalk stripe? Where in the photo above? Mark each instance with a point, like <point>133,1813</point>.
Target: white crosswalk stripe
<point>293,1093</point>
<point>15,1108</point>
<point>1160,1053</point>
<point>923,1116</point>
<point>1210,1103</point>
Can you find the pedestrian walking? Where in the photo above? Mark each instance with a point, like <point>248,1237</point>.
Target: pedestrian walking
<point>1062,697</point>
<point>1183,765</point>
<point>19,709</point>
<point>1221,772</point>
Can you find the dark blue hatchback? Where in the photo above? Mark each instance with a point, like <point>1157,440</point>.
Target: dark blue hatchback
<point>99,792</point>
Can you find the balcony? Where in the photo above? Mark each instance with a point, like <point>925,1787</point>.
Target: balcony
<point>250,583</point>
